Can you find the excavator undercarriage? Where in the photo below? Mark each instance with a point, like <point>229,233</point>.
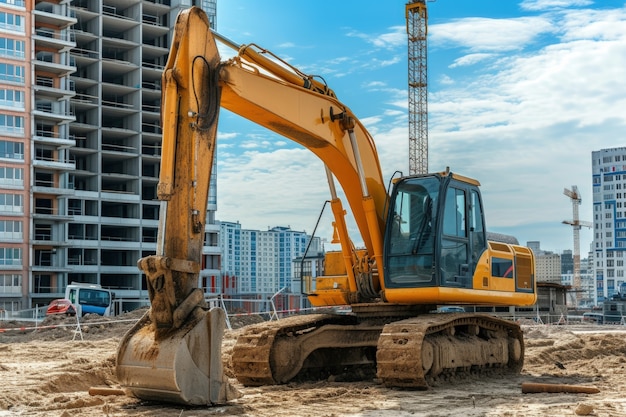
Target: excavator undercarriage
<point>414,352</point>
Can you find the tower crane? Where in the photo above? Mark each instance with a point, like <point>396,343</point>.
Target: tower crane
<point>576,224</point>
<point>417,28</point>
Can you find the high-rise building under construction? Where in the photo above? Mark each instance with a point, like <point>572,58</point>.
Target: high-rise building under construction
<point>80,142</point>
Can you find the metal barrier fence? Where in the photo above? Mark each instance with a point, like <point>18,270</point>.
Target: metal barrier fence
<point>35,314</point>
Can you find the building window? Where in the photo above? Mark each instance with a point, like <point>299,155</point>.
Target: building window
<point>12,150</point>
<point>11,230</point>
<point>12,98</point>
<point>19,3</point>
<point>11,48</point>
<point>11,256</point>
<point>12,73</point>
<point>12,22</point>
<point>12,176</point>
<point>11,203</point>
<point>11,124</point>
<point>10,284</point>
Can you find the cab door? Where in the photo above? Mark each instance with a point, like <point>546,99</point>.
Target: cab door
<point>462,235</point>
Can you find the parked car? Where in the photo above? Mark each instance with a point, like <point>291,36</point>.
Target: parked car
<point>61,306</point>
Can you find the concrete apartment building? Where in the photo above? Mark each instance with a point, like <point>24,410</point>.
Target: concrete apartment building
<point>257,262</point>
<point>547,264</point>
<point>609,220</point>
<point>20,61</point>
<point>80,138</point>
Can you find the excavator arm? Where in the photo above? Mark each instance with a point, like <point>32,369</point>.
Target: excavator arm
<point>174,352</point>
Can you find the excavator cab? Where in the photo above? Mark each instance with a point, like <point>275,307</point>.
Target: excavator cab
<point>436,247</point>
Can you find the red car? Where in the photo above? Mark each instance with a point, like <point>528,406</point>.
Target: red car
<point>61,306</point>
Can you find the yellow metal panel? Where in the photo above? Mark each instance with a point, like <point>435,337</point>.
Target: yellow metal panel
<point>447,295</point>
<point>326,298</point>
<point>326,283</point>
<point>334,264</point>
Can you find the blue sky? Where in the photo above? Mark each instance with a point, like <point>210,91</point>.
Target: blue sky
<point>520,94</point>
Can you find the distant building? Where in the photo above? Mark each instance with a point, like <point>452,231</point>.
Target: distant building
<point>587,287</point>
<point>256,262</point>
<point>548,266</point>
<point>609,220</point>
<point>534,245</point>
<point>567,262</point>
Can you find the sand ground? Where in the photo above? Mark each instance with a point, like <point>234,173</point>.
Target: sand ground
<point>46,373</point>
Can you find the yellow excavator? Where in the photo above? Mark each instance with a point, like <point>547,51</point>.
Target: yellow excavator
<point>424,245</point>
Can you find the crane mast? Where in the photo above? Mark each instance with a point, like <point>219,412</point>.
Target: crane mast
<point>576,224</point>
<point>417,28</point>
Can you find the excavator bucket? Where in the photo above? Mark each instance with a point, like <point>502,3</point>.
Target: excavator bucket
<point>184,367</point>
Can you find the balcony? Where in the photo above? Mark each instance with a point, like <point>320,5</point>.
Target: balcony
<point>48,137</point>
<point>54,163</point>
<point>47,38</point>
<point>53,15</point>
<point>43,113</point>
<point>50,188</point>
<point>46,62</point>
<point>44,87</point>
<point>50,213</point>
<point>47,239</point>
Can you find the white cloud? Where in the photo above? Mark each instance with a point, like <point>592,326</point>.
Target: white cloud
<point>593,24</point>
<point>390,40</point>
<point>538,5</point>
<point>470,59</point>
<point>445,80</point>
<point>227,135</point>
<point>478,34</point>
<point>375,84</point>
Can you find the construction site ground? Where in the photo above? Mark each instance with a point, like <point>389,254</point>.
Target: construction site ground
<point>49,371</point>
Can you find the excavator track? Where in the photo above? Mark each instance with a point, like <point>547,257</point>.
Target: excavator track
<point>414,352</point>
<point>417,352</point>
<point>277,352</point>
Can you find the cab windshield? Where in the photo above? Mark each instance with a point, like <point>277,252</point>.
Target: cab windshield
<point>410,244</point>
